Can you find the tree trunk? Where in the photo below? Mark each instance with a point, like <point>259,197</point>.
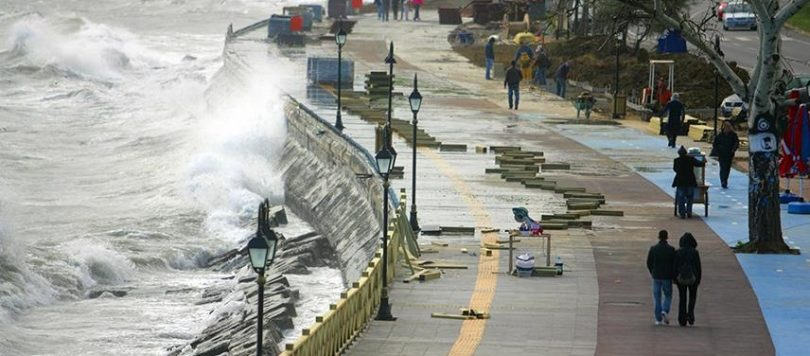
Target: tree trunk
<point>764,221</point>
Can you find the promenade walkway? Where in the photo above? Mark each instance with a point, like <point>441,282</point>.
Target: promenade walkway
<point>602,304</point>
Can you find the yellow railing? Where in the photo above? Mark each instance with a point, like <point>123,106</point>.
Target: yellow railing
<point>334,331</point>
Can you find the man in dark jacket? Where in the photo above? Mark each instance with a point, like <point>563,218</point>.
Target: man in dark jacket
<point>512,81</point>
<point>675,112</point>
<point>660,263</point>
<point>689,273</point>
<point>489,54</point>
<point>685,181</point>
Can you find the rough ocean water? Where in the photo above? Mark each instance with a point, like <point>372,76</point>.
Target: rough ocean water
<point>119,177</point>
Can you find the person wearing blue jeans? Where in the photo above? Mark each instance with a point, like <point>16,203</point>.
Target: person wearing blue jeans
<point>685,182</point>
<point>512,81</point>
<point>561,76</point>
<point>660,263</point>
<point>489,54</point>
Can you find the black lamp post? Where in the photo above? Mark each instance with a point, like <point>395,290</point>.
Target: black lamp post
<point>415,99</point>
<point>717,82</point>
<point>385,163</point>
<point>390,61</point>
<point>616,91</point>
<point>262,252</point>
<point>340,39</point>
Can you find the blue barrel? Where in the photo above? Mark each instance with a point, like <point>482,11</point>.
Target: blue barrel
<point>317,11</point>
<point>278,24</point>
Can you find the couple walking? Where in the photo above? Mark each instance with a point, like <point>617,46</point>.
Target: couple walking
<point>683,267</point>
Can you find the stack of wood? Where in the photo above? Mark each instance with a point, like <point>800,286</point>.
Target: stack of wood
<point>377,86</point>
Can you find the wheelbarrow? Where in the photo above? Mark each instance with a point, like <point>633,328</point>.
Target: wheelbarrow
<point>584,102</point>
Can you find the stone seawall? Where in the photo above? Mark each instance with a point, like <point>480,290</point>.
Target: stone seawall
<point>330,182</point>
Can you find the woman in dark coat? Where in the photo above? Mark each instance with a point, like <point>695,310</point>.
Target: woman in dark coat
<point>688,275</point>
<point>725,144</point>
<point>685,181</point>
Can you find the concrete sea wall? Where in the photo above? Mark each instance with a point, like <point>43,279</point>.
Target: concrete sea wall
<point>330,182</point>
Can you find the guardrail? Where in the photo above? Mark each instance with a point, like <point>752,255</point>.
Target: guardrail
<point>335,330</point>
<point>233,34</point>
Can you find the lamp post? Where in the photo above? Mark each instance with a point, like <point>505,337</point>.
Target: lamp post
<point>262,252</point>
<point>415,99</point>
<point>717,81</point>
<point>385,162</point>
<point>390,61</point>
<point>340,39</point>
<point>616,91</point>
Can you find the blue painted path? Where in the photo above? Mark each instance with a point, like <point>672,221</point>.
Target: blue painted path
<point>780,282</point>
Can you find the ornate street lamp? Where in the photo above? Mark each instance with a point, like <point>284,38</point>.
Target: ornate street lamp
<point>340,39</point>
<point>262,251</point>
<point>385,163</point>
<point>415,99</point>
<point>390,61</point>
<point>616,92</point>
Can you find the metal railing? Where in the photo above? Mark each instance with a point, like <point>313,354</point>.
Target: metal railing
<point>335,330</point>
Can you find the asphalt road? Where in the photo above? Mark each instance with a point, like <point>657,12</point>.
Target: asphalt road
<point>741,46</point>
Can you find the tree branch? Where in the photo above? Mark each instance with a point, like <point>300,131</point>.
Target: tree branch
<point>788,10</point>
<point>693,36</point>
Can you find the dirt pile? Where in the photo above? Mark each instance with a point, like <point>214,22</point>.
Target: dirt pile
<point>593,60</point>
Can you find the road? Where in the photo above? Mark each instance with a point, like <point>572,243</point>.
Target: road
<point>741,46</point>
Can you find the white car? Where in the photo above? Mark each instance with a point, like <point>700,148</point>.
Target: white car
<point>730,103</point>
<point>738,15</point>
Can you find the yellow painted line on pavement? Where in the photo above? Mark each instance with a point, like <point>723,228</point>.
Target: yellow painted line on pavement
<point>485,282</point>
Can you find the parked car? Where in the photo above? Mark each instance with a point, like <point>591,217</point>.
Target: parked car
<point>800,80</point>
<point>720,9</point>
<point>738,15</point>
<point>731,102</point>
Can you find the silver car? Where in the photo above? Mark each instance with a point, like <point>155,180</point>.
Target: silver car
<point>738,15</point>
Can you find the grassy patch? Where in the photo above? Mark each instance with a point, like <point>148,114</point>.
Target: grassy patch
<point>801,19</point>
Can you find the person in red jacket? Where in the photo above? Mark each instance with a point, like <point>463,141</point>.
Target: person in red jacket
<point>416,5</point>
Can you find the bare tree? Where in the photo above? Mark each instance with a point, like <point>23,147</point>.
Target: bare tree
<point>763,92</point>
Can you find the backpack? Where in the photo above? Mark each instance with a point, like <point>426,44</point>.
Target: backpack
<point>686,274</point>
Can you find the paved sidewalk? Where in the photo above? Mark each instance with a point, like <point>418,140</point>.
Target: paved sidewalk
<point>602,304</point>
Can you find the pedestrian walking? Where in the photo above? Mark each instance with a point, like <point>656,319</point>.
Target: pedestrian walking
<point>416,5</point>
<point>685,182</point>
<point>380,9</point>
<point>395,8</point>
<point>660,263</point>
<point>541,64</point>
<point>489,55</point>
<point>561,78</point>
<point>406,6</point>
<point>687,264</point>
<point>675,112</point>
<point>386,9</point>
<point>512,81</point>
<point>723,147</point>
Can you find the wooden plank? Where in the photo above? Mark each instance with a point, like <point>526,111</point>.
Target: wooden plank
<point>437,243</point>
<point>555,165</point>
<point>448,147</point>
<point>499,149</point>
<point>607,212</point>
<point>451,316</point>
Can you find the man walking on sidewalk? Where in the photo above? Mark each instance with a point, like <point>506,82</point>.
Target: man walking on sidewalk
<point>489,54</point>
<point>660,263</point>
<point>512,81</point>
<point>675,112</point>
